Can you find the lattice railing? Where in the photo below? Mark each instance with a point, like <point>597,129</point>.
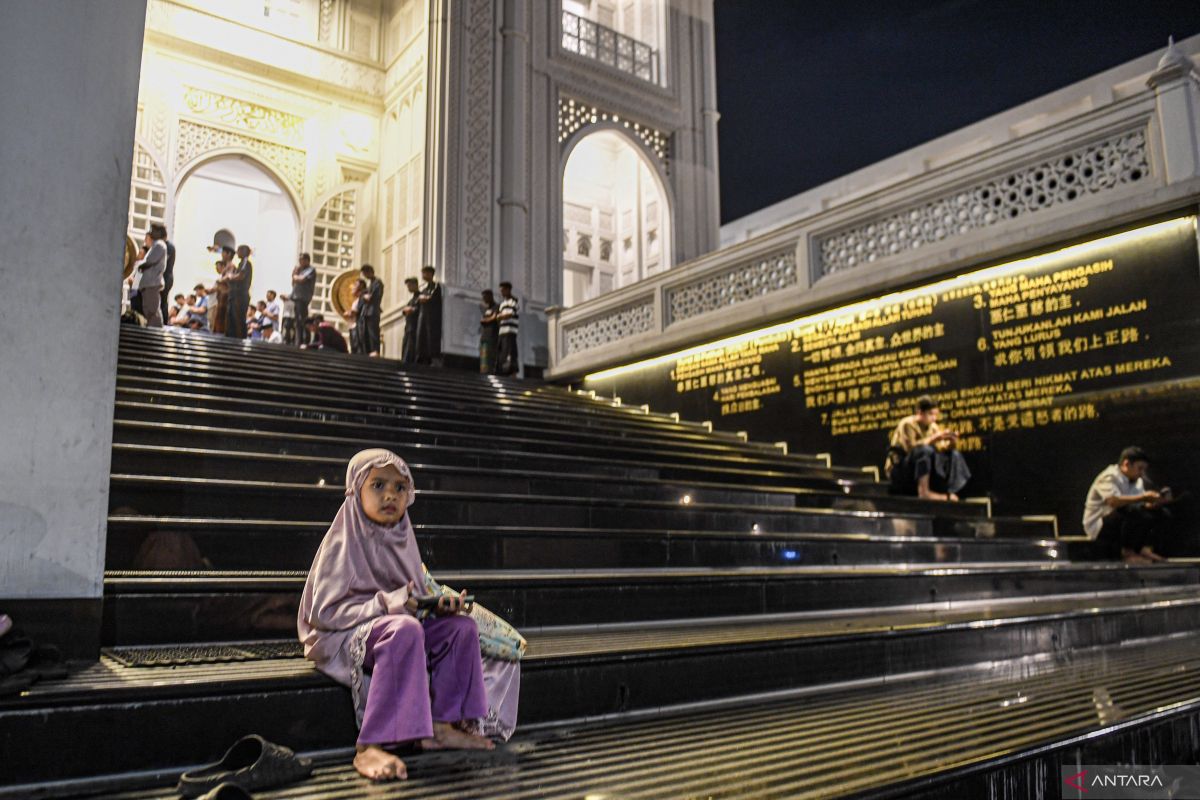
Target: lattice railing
<point>609,326</point>
<point>1096,167</point>
<point>587,38</point>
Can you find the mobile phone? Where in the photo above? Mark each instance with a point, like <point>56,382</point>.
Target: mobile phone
<point>430,602</point>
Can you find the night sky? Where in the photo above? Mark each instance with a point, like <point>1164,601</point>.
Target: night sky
<point>809,90</point>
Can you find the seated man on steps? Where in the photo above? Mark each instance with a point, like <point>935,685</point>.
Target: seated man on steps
<point>922,459</point>
<point>323,336</point>
<point>1124,516</point>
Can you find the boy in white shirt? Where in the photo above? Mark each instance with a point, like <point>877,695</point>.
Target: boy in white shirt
<point>1121,513</point>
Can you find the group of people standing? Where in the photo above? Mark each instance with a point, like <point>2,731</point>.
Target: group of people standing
<point>225,308</point>
<point>498,353</point>
<point>498,326</point>
<point>152,276</point>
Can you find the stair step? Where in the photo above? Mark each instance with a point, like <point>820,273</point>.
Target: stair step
<point>215,543</point>
<point>148,383</point>
<point>959,733</point>
<point>399,388</point>
<point>196,462</point>
<point>161,607</point>
<point>239,495</point>
<point>400,433</point>
<point>185,434</point>
<point>568,674</point>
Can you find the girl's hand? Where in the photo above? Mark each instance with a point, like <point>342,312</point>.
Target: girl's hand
<point>451,604</point>
<point>411,603</point>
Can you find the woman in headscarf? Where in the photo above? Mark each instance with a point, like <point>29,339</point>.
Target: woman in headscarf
<point>412,680</point>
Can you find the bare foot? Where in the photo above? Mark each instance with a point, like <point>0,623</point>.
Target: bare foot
<point>375,763</point>
<point>1148,552</point>
<point>1130,557</point>
<point>448,737</point>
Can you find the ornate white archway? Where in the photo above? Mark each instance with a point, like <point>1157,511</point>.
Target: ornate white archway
<point>616,213</point>
<point>241,192</point>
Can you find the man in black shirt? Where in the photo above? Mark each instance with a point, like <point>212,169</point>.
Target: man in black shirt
<point>489,332</point>
<point>304,280</point>
<point>429,321</point>
<point>412,314</point>
<point>169,272</point>
<point>369,311</point>
<point>238,279</point>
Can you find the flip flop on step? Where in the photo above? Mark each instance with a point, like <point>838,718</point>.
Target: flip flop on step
<point>15,652</point>
<point>46,661</point>
<point>227,791</point>
<point>15,684</point>
<point>252,763</point>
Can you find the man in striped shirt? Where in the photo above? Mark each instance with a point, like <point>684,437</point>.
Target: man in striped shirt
<point>508,356</point>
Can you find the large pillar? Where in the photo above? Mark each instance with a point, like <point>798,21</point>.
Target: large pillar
<point>514,156</point>
<point>69,79</point>
<point>1177,93</point>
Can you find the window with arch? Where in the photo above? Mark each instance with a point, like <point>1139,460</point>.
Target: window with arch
<point>616,217</point>
<point>334,239</point>
<point>147,193</point>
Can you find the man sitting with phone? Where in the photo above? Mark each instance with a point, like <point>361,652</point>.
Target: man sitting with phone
<point>1122,514</point>
<point>922,459</point>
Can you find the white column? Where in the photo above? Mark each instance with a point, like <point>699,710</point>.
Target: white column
<point>69,79</point>
<point>514,161</point>
<point>1178,103</point>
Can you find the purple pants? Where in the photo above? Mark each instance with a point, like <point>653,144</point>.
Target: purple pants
<point>421,673</point>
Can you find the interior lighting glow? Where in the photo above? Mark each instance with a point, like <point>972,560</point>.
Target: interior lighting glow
<point>1077,252</point>
<point>686,499</point>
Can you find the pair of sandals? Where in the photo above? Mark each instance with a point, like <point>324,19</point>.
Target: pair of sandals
<point>23,662</point>
<point>252,763</point>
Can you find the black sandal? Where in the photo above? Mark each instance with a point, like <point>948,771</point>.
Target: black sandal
<point>46,662</point>
<point>227,791</point>
<point>252,763</point>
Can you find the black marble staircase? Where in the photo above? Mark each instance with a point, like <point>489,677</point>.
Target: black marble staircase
<point>655,567</point>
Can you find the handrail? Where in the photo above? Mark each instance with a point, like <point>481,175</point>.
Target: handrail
<point>585,37</point>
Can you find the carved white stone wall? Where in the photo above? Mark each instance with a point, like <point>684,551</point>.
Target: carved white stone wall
<point>195,140</point>
<point>478,98</point>
<point>147,192</point>
<point>264,122</point>
<point>333,244</point>
<point>327,22</point>
<point>575,114</point>
<point>1100,166</point>
<point>741,282</point>
<point>609,326</point>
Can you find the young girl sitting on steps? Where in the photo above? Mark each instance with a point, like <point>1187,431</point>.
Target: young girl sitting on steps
<point>412,680</point>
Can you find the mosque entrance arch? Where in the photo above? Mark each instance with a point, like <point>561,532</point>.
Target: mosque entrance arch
<point>616,217</point>
<point>238,192</point>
